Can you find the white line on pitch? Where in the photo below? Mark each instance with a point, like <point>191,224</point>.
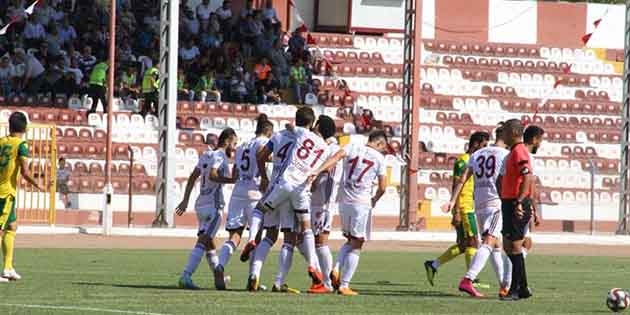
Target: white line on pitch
<point>78,308</point>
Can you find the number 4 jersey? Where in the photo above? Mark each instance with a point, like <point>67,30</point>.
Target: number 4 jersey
<point>486,165</point>
<point>361,167</point>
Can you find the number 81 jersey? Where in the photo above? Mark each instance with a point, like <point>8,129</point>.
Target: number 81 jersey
<point>486,164</point>
<point>309,152</point>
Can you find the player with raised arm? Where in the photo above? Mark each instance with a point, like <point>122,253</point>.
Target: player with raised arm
<point>213,169</point>
<point>308,152</point>
<point>484,166</point>
<point>463,212</point>
<point>13,155</point>
<point>362,165</point>
<point>245,195</point>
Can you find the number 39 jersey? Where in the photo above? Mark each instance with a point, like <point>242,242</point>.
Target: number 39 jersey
<point>309,153</point>
<point>486,165</point>
<point>361,167</point>
<point>245,163</point>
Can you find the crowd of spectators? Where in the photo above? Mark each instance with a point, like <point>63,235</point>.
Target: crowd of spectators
<point>61,49</point>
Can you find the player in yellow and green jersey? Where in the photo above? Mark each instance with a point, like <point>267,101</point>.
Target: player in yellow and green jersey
<point>463,212</point>
<point>13,155</point>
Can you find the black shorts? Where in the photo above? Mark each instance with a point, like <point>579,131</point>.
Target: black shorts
<point>513,227</point>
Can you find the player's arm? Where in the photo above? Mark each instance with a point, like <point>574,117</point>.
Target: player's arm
<point>457,188</point>
<point>330,163</point>
<point>458,172</point>
<point>181,208</point>
<point>218,178</point>
<point>524,189</point>
<point>234,172</point>
<point>382,185</point>
<point>262,156</point>
<point>26,173</point>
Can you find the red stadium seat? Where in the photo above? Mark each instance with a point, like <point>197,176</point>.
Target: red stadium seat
<point>96,169</point>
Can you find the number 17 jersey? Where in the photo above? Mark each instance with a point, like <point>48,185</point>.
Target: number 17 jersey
<point>486,164</point>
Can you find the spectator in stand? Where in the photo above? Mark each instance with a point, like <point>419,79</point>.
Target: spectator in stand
<point>97,88</point>
<point>224,13</point>
<point>203,10</point>
<point>7,76</point>
<point>86,60</point>
<point>250,30</point>
<point>67,32</point>
<point>247,10</point>
<point>298,80</point>
<point>297,45</point>
<point>214,25</point>
<point>279,65</point>
<point>189,52</point>
<point>273,96</point>
<point>44,13</point>
<point>53,77</point>
<point>238,87</point>
<point>33,72</point>
<point>42,54</point>
<point>54,41</point>
<point>263,79</point>
<point>183,89</point>
<point>129,82</point>
<point>264,44</point>
<point>144,40</point>
<point>33,31</point>
<point>70,83</point>
<point>58,13</point>
<point>150,89</point>
<point>63,176</point>
<point>270,17</point>
<point>190,22</point>
<point>209,39</point>
<point>206,86</point>
<point>124,53</point>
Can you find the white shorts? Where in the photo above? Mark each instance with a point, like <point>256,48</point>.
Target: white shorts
<point>283,218</point>
<point>239,212</point>
<point>321,220</point>
<point>298,196</point>
<point>209,219</point>
<point>490,222</point>
<point>354,220</point>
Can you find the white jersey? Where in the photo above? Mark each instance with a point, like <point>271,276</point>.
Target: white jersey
<point>361,167</point>
<point>326,182</point>
<point>248,173</point>
<point>309,152</point>
<point>486,165</point>
<point>211,193</point>
<point>281,144</point>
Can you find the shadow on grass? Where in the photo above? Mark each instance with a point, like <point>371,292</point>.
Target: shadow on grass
<point>149,286</point>
<point>428,294</point>
<point>384,283</point>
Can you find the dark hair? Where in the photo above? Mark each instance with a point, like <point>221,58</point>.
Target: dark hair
<point>514,126</point>
<point>326,126</point>
<point>17,122</point>
<point>62,159</point>
<point>226,134</point>
<point>532,132</point>
<point>498,133</point>
<point>377,135</point>
<point>263,124</point>
<point>304,117</point>
<point>478,137</point>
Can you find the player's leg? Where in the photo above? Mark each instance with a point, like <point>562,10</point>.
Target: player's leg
<point>321,226</point>
<point>271,226</point>
<point>431,266</point>
<point>358,229</point>
<point>300,202</point>
<point>208,221</point>
<point>8,226</point>
<point>515,234</point>
<point>285,259</point>
<point>471,241</point>
<point>235,224</point>
<point>527,241</point>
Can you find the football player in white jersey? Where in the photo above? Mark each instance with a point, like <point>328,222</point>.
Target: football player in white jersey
<point>245,195</point>
<point>324,192</point>
<point>532,137</point>
<point>362,165</point>
<point>308,152</point>
<point>213,169</point>
<point>485,165</point>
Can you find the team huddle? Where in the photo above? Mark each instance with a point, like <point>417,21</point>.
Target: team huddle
<point>308,165</point>
<point>494,196</point>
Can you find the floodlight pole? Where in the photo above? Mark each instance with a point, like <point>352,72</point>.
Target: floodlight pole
<point>108,216</point>
<point>624,176</point>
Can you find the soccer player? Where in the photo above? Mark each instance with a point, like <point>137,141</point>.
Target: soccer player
<point>362,165</point>
<point>13,155</point>
<point>308,152</point>
<point>213,169</point>
<point>516,205</point>
<point>245,195</point>
<point>533,138</point>
<point>484,166</point>
<point>463,212</point>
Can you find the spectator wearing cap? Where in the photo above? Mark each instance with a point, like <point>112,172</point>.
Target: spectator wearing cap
<point>33,72</point>
<point>7,76</point>
<point>97,86</point>
<point>150,89</point>
<point>298,80</point>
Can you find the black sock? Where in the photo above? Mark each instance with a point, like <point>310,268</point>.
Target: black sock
<point>524,284</point>
<point>516,273</point>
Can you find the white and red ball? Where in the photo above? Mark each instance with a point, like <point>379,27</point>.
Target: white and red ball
<point>618,300</point>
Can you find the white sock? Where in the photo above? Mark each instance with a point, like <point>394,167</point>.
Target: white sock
<point>341,256</point>
<point>348,269</point>
<point>309,249</point>
<point>507,271</point>
<point>479,261</point>
<point>260,255</point>
<point>524,251</point>
<point>325,262</point>
<point>213,259</point>
<point>284,264</point>
<point>226,252</point>
<point>497,264</point>
<point>194,259</point>
<point>255,222</point>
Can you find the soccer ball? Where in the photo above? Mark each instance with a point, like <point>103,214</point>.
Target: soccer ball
<point>618,300</point>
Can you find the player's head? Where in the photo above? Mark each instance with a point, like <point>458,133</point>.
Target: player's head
<point>325,126</point>
<point>227,140</point>
<point>305,117</point>
<point>512,132</point>
<point>17,122</point>
<point>477,141</point>
<point>378,140</point>
<point>62,162</point>
<point>533,137</point>
<point>264,127</point>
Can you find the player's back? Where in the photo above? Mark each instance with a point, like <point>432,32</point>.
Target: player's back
<point>326,181</point>
<point>486,164</point>
<point>309,152</point>
<point>361,167</point>
<point>210,191</point>
<point>245,164</point>
<point>281,144</point>
<point>10,149</point>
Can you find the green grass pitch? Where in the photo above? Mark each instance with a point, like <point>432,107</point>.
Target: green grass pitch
<point>389,283</point>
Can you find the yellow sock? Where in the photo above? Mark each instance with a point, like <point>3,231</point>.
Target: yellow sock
<point>449,254</point>
<point>470,252</point>
<point>7,249</point>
